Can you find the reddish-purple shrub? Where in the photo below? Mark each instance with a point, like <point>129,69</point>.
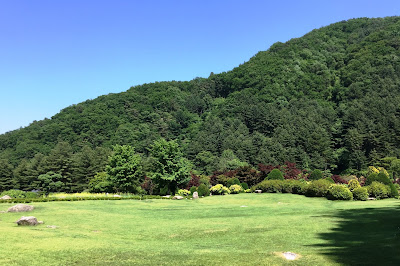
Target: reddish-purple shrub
<point>265,169</point>
<point>290,171</point>
<point>148,185</point>
<point>194,181</point>
<point>338,179</point>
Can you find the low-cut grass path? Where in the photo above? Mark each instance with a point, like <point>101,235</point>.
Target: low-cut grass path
<point>244,229</point>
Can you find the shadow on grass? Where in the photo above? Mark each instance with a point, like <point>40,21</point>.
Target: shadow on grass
<point>364,237</point>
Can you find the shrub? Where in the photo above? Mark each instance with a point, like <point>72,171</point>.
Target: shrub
<point>31,195</point>
<point>270,186</point>
<point>203,190</point>
<point>317,188</point>
<point>360,193</point>
<point>219,189</point>
<point>293,186</point>
<point>183,192</point>
<point>315,175</point>
<point>378,190</point>
<point>275,174</point>
<point>338,179</point>
<point>14,193</point>
<point>353,184</point>
<point>384,179</point>
<point>330,180</point>
<point>235,189</point>
<point>245,186</point>
<point>193,189</point>
<point>248,191</point>
<point>339,192</point>
<point>233,181</point>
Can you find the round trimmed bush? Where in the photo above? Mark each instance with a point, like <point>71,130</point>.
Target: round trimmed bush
<point>378,190</point>
<point>353,184</point>
<point>270,186</point>
<point>315,175</point>
<point>244,186</point>
<point>193,189</point>
<point>203,190</point>
<point>330,180</point>
<point>339,192</point>
<point>235,189</point>
<point>275,174</point>
<point>317,188</point>
<point>293,186</point>
<point>219,189</point>
<point>360,193</point>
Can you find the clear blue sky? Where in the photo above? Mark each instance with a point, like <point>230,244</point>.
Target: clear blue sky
<point>56,53</point>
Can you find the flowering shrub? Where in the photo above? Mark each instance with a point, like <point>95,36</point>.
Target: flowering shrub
<point>219,190</point>
<point>183,192</point>
<point>235,189</point>
<point>353,184</point>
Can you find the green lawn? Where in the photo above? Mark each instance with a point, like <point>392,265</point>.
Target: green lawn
<point>215,230</point>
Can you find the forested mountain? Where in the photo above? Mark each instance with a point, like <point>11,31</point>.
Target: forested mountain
<point>327,100</point>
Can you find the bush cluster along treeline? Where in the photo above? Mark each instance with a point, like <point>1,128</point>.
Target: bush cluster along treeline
<point>328,100</point>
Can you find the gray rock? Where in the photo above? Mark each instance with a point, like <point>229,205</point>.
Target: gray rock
<point>27,220</point>
<point>5,197</point>
<point>257,191</point>
<point>177,197</point>
<point>21,208</point>
<point>195,195</point>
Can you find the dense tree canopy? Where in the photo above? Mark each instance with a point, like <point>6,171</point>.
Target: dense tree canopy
<point>328,100</point>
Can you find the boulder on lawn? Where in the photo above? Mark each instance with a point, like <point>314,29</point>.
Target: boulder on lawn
<point>5,197</point>
<point>195,195</point>
<point>27,220</point>
<point>257,191</point>
<point>177,197</point>
<point>21,208</point>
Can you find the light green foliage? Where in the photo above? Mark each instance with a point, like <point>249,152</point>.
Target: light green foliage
<point>235,189</point>
<point>317,188</point>
<point>229,161</point>
<point>360,193</point>
<point>100,183</point>
<point>353,184</point>
<point>275,174</point>
<point>14,193</point>
<point>219,189</point>
<point>339,192</point>
<point>124,169</point>
<point>293,186</point>
<point>183,192</point>
<point>170,168</point>
<point>378,190</point>
<point>270,186</point>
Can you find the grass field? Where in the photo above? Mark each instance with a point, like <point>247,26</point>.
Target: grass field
<point>216,230</point>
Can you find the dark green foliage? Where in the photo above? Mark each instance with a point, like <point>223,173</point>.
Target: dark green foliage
<point>193,189</point>
<point>275,174</point>
<point>51,182</point>
<point>244,186</point>
<point>328,100</point>
<point>339,192</point>
<point>378,190</point>
<point>203,190</point>
<point>360,193</point>
<point>316,174</point>
<point>270,186</point>
<point>317,188</point>
<point>233,181</point>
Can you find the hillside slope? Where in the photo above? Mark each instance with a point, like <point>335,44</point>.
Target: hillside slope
<point>328,100</point>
